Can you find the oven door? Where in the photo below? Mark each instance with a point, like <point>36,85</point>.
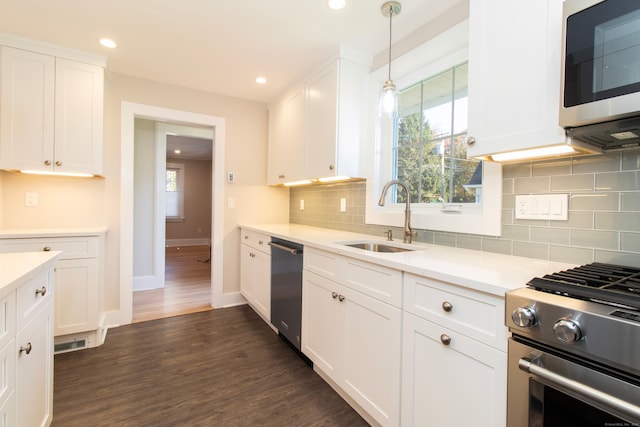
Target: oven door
<point>551,391</point>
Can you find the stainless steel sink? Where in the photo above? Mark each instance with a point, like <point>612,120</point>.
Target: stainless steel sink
<point>377,247</point>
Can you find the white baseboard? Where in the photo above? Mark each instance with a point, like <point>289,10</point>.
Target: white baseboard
<point>187,242</point>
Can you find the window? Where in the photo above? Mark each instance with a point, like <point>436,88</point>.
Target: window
<point>430,150</point>
<point>174,197</point>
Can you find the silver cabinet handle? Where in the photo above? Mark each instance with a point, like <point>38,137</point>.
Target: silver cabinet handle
<point>58,163</point>
<point>42,291</point>
<point>334,295</point>
<point>340,298</point>
<point>445,339</point>
<point>26,349</point>
<point>47,249</point>
<point>246,237</point>
<point>447,306</point>
<point>47,162</point>
<point>583,389</point>
<point>471,140</point>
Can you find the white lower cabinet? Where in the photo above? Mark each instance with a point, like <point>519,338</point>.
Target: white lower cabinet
<point>459,384</point>
<point>454,361</point>
<point>255,272</point>
<point>355,340</point>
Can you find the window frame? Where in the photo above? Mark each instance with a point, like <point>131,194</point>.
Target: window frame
<point>179,167</point>
<point>436,55</point>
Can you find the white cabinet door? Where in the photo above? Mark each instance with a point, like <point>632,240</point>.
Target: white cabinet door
<point>514,74</point>
<point>76,296</point>
<point>255,279</point>
<point>26,109</point>
<point>34,370</point>
<point>355,340</point>
<point>78,117</point>
<point>322,325</point>
<point>51,113</point>
<point>286,139</point>
<point>322,116</point>
<point>372,353</point>
<point>460,384</point>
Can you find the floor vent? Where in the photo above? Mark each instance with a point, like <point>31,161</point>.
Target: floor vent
<point>76,344</point>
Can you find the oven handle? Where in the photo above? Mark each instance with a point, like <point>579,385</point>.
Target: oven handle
<point>623,406</point>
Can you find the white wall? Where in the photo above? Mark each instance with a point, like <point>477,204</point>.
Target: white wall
<point>72,202</point>
<point>143,203</point>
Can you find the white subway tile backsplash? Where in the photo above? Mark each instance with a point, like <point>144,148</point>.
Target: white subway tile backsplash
<point>603,223</point>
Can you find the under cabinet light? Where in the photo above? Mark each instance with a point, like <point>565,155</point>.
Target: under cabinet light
<point>334,178</point>
<point>294,183</point>
<point>73,174</point>
<point>571,147</point>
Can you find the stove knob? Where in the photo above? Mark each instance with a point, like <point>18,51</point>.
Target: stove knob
<point>568,330</point>
<point>525,317</point>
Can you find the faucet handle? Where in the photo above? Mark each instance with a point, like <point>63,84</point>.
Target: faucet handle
<point>389,234</point>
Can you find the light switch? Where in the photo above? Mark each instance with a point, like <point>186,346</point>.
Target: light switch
<point>231,203</point>
<point>543,207</point>
<point>31,199</point>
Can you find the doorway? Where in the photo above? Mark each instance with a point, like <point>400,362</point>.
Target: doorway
<point>173,165</point>
<point>129,112</point>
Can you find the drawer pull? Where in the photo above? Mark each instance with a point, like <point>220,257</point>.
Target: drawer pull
<point>445,339</point>
<point>334,295</point>
<point>42,291</point>
<point>47,249</point>
<point>340,298</point>
<point>447,306</point>
<point>26,349</point>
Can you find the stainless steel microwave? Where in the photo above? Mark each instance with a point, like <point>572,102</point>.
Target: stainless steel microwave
<point>600,82</point>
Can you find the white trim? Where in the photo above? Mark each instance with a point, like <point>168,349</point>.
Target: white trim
<point>130,111</point>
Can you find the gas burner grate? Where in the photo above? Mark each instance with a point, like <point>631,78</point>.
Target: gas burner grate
<point>608,283</point>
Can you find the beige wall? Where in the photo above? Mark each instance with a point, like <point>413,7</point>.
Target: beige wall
<point>73,202</point>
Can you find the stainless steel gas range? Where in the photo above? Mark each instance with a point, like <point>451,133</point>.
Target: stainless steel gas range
<point>574,353</point>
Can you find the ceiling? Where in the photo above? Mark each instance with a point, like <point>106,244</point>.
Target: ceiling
<point>217,46</point>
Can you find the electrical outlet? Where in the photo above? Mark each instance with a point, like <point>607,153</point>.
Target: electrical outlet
<point>343,205</point>
<point>543,206</point>
<point>31,199</point>
<point>301,204</point>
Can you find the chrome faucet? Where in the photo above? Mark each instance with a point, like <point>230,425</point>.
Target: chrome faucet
<point>408,233</point>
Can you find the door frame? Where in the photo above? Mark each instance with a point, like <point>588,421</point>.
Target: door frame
<point>129,112</point>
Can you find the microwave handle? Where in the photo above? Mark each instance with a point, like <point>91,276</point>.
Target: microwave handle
<point>623,406</point>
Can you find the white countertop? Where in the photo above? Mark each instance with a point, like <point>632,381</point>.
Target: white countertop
<point>483,271</point>
<point>19,266</point>
<point>26,233</point>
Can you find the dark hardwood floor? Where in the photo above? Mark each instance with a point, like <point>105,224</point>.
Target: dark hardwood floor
<point>222,367</point>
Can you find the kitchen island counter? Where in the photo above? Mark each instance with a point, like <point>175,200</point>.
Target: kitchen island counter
<point>482,271</point>
<point>16,268</point>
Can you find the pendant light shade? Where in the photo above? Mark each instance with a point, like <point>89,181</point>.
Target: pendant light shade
<point>388,103</point>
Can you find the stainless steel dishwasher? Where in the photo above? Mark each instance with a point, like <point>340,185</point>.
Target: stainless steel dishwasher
<point>286,289</point>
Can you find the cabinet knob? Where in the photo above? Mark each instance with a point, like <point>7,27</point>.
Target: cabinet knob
<point>331,167</point>
<point>471,140</point>
<point>47,162</point>
<point>447,306</point>
<point>246,237</point>
<point>26,349</point>
<point>260,242</point>
<point>58,163</point>
<point>334,295</point>
<point>47,249</point>
<point>340,298</point>
<point>445,339</point>
<point>42,291</point>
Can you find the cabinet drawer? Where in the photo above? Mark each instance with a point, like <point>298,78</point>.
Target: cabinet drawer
<point>257,241</point>
<point>474,314</point>
<point>382,283</point>
<point>7,318</point>
<point>33,295</point>
<point>71,247</point>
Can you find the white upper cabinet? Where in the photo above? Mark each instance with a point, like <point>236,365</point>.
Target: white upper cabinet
<point>286,138</point>
<point>318,132</point>
<point>335,119</point>
<point>51,112</point>
<point>514,74</point>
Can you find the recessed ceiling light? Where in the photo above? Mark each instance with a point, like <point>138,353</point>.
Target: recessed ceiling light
<point>336,4</point>
<point>108,43</point>
<point>261,80</point>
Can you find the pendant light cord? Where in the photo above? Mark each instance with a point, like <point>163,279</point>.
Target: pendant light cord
<point>390,28</point>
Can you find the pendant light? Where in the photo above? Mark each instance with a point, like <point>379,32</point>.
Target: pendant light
<point>389,94</point>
